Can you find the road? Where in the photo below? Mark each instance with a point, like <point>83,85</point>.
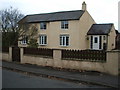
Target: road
<point>11,79</point>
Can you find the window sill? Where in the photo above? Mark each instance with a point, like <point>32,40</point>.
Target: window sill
<point>64,46</point>
<point>64,29</point>
<point>43,44</point>
<point>42,29</point>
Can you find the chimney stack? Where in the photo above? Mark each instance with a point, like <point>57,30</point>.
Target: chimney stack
<point>84,6</point>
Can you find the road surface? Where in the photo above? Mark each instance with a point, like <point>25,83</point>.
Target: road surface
<point>11,79</point>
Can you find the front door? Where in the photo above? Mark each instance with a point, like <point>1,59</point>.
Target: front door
<point>96,41</point>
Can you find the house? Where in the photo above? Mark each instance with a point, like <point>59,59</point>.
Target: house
<point>71,30</point>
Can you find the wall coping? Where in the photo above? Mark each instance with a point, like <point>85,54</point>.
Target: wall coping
<point>70,49</point>
<point>113,51</point>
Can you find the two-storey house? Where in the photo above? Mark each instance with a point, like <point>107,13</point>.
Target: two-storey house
<point>71,30</point>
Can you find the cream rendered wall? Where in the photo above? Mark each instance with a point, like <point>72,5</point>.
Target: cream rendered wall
<point>86,21</point>
<point>111,39</point>
<point>54,31</point>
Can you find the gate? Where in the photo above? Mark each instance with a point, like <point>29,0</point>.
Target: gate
<point>16,54</point>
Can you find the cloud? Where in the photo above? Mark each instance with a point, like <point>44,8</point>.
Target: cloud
<point>101,10</point>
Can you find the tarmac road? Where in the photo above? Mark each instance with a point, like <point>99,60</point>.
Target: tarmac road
<point>11,79</point>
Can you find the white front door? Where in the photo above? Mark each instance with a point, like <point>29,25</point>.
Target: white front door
<point>96,41</point>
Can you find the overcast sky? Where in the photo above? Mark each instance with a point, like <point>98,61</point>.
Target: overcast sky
<point>102,11</point>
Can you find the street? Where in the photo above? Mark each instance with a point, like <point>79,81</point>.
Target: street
<point>12,79</point>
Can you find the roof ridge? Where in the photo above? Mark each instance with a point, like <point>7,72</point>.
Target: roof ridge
<point>55,12</point>
<point>104,24</point>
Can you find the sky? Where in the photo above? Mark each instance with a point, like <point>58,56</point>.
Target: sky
<point>102,11</point>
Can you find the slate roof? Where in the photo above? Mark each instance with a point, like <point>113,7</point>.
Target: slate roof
<point>56,16</point>
<point>100,29</point>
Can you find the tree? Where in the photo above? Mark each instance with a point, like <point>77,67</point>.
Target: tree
<point>33,43</point>
<point>9,27</point>
<point>12,31</point>
<point>9,19</point>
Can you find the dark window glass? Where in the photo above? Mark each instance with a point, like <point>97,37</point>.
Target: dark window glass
<point>64,24</point>
<point>67,41</point>
<point>60,40</point>
<point>64,40</point>
<point>100,42</point>
<point>43,25</point>
<point>95,40</point>
<point>91,45</point>
<point>45,39</point>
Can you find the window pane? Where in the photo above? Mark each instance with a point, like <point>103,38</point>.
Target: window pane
<point>91,43</point>
<point>45,39</point>
<point>96,40</point>
<point>64,24</point>
<point>43,25</point>
<point>60,40</point>
<point>100,42</point>
<point>63,40</point>
<point>67,41</point>
<point>42,40</point>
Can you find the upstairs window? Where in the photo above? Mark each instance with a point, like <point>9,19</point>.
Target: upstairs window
<point>43,25</point>
<point>64,24</point>
<point>64,40</point>
<point>43,40</point>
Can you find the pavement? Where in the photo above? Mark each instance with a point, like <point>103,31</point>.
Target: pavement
<point>86,77</point>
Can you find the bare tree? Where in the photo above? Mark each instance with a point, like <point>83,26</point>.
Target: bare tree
<point>9,19</point>
<point>28,30</point>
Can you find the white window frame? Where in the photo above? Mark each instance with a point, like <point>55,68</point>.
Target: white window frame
<point>42,40</point>
<point>63,25</point>
<point>24,41</point>
<point>63,40</point>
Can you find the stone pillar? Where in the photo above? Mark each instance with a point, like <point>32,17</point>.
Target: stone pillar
<point>57,58</point>
<point>21,55</point>
<point>10,54</point>
<point>113,58</point>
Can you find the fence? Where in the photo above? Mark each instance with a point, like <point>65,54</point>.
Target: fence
<point>39,51</point>
<point>90,55</point>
